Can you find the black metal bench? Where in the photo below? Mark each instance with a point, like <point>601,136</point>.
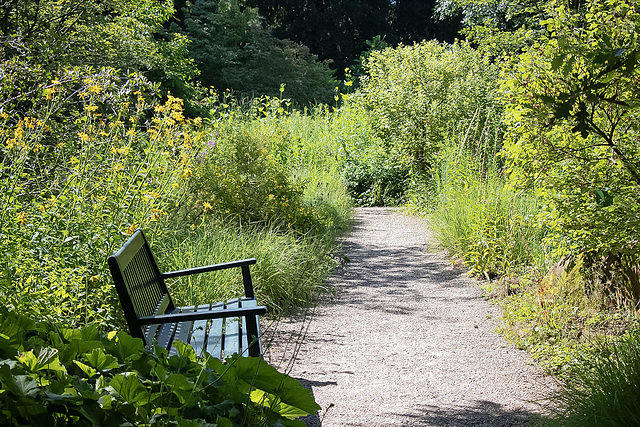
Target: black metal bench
<point>221,328</point>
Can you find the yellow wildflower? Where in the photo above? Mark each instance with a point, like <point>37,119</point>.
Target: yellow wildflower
<point>91,108</point>
<point>207,206</point>
<point>83,137</point>
<point>22,218</point>
<point>156,213</point>
<point>131,132</point>
<point>48,92</point>
<point>95,89</point>
<point>186,173</point>
<point>131,229</point>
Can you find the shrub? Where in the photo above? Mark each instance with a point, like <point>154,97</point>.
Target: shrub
<point>423,95</point>
<point>56,376</point>
<point>239,179</point>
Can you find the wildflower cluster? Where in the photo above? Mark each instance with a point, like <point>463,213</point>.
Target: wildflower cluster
<point>94,158</point>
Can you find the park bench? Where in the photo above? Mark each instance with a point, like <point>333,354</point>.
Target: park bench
<point>221,328</point>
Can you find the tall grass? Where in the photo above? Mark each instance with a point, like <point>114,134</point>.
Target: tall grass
<point>602,390</point>
<point>290,271</point>
<point>479,218</point>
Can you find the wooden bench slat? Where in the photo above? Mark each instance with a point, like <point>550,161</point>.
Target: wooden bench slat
<point>232,330</point>
<point>199,331</point>
<point>164,336</point>
<point>183,329</point>
<point>215,336</point>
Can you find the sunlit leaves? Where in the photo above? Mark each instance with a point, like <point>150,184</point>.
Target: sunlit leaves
<point>574,128</point>
<point>144,388</point>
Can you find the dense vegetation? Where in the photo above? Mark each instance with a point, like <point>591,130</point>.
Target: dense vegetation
<point>216,127</point>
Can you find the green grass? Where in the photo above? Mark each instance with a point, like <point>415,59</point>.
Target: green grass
<point>602,389</point>
<point>290,270</point>
<point>480,219</point>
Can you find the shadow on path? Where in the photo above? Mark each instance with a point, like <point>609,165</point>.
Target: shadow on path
<point>404,341</point>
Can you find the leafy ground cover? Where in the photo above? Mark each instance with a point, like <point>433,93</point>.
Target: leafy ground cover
<point>59,376</point>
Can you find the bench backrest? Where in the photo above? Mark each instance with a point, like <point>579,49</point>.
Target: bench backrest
<point>139,283</point>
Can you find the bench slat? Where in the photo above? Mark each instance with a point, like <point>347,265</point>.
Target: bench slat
<point>183,329</point>
<point>199,332</point>
<point>232,330</point>
<point>165,334</point>
<point>215,336</point>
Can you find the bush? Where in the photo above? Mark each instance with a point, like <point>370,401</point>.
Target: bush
<point>239,179</point>
<point>423,95</point>
<point>56,376</point>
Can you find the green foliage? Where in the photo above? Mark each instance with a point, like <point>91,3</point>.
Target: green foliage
<point>52,376</point>
<point>234,50</point>
<point>422,95</point>
<point>91,158</point>
<point>480,219</point>
<point>496,27</point>
<point>557,316</point>
<point>602,390</point>
<point>119,34</point>
<point>374,174</point>
<point>238,177</point>
<point>573,129</point>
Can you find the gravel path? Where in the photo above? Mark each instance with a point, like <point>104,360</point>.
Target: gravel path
<point>407,339</point>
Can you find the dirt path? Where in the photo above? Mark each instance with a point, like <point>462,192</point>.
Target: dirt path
<point>406,340</point>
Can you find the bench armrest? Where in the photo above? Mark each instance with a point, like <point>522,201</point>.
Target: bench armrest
<point>201,315</point>
<point>207,268</point>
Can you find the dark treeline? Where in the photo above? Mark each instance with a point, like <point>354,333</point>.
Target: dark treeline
<point>337,30</point>
<point>254,46</point>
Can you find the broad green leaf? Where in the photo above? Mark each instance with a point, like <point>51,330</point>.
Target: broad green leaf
<point>257,373</point>
<point>127,347</point>
<point>101,361</point>
<point>88,370</point>
<point>130,388</point>
<point>19,385</point>
<point>180,386</point>
<point>47,359</point>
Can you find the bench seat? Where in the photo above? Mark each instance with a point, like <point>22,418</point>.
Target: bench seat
<point>220,328</point>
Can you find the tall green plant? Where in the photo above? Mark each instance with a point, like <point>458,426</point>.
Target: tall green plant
<point>53,376</point>
<point>602,390</point>
<point>91,159</point>
<point>573,132</point>
<point>424,94</point>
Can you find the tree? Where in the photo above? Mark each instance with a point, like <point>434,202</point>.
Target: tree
<point>416,20</point>
<point>233,50</point>
<point>335,30</point>
<point>574,127</point>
